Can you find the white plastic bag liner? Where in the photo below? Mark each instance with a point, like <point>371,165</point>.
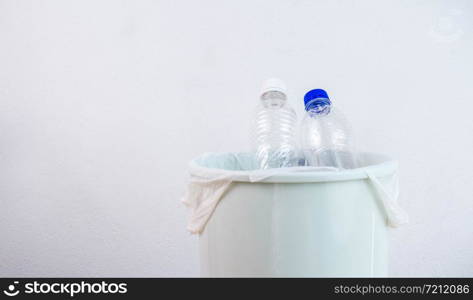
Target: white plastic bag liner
<point>297,221</point>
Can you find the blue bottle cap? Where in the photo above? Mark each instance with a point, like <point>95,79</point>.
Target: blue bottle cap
<point>310,96</point>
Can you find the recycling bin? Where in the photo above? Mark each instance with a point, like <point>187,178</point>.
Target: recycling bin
<point>293,222</point>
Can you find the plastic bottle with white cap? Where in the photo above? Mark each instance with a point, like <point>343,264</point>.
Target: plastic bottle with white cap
<point>274,128</point>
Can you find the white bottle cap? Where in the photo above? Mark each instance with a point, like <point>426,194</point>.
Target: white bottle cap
<point>273,85</point>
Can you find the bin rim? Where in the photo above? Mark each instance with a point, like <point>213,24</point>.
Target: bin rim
<point>377,164</point>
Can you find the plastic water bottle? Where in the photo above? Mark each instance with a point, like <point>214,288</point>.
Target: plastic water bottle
<point>326,138</point>
<point>274,128</point>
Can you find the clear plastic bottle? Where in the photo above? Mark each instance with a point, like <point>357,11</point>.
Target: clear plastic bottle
<point>274,128</point>
<point>326,137</point>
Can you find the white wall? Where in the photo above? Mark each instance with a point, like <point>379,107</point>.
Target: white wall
<point>103,103</point>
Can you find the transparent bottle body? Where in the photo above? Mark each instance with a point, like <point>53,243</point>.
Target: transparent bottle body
<point>327,140</point>
<point>274,132</point>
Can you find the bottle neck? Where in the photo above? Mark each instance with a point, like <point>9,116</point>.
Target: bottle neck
<point>318,107</point>
<point>273,99</point>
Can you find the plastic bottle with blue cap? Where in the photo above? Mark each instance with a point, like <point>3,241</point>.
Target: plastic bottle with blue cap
<point>274,128</point>
<point>326,137</point>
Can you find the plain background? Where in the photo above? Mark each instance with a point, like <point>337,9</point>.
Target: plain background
<point>103,103</point>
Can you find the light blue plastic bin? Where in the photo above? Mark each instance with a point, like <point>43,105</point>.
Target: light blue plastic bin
<point>298,224</point>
